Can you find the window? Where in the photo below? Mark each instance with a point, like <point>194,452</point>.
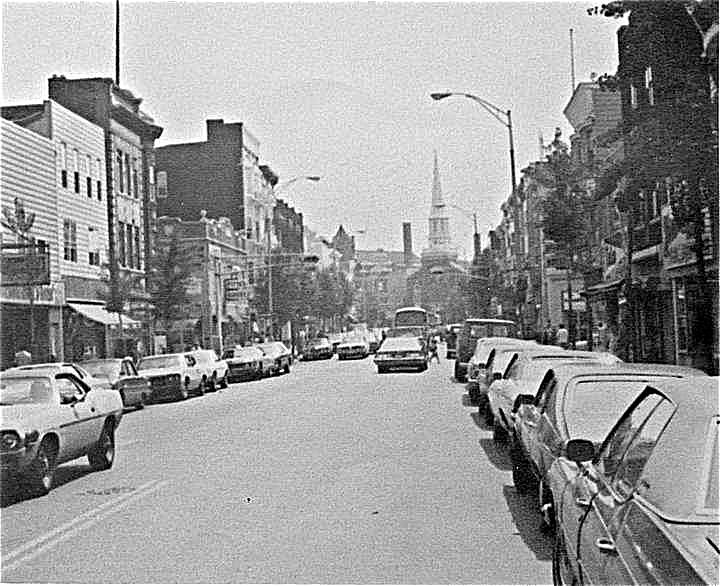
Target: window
<point>682,315</point>
<point>135,178</point>
<point>120,172</point>
<point>88,186</point>
<point>63,164</point>
<point>76,171</point>
<point>93,247</point>
<point>633,97</point>
<point>129,244</point>
<point>121,244</point>
<point>136,238</point>
<point>628,447</point>
<point>649,86</point>
<point>70,240</point>
<point>127,173</point>
<point>98,175</point>
<point>257,231</point>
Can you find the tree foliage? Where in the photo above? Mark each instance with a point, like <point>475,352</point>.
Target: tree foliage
<point>168,280</point>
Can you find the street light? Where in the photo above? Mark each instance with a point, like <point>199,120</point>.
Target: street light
<point>503,116</point>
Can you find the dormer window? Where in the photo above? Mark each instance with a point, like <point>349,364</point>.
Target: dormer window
<point>649,86</point>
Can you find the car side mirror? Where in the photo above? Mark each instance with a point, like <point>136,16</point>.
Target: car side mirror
<point>580,450</point>
<point>497,376</point>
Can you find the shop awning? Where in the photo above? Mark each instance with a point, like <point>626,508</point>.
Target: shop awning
<point>101,315</point>
<point>605,286</point>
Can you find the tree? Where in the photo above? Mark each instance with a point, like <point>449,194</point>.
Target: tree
<point>116,297</point>
<point>168,281</point>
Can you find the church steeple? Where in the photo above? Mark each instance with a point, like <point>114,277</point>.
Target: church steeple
<point>439,241</point>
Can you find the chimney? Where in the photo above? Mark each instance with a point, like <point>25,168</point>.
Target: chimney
<point>407,243</point>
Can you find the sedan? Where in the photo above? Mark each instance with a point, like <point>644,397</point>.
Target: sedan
<point>49,417</point>
<point>522,373</point>
<point>404,353</point>
<point>247,363</point>
<point>318,349</point>
<point>642,508</point>
<point>280,355</point>
<point>121,374</point>
<point>214,370</point>
<point>575,401</point>
<point>172,376</point>
<point>353,347</point>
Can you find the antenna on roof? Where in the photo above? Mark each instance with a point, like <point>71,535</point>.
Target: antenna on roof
<point>117,42</point>
<point>572,61</point>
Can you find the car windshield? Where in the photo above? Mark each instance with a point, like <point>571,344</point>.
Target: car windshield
<point>408,344</point>
<point>149,362</point>
<point>592,407</point>
<point>320,342</point>
<point>105,368</point>
<point>205,357</point>
<point>25,390</point>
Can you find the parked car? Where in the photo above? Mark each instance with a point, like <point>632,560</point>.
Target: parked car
<point>48,417</point>
<point>318,349</point>
<point>520,371</point>
<point>451,341</point>
<point>172,376</point>
<point>642,507</point>
<point>214,370</point>
<point>247,363</point>
<point>121,374</point>
<point>353,346</point>
<point>335,339</point>
<point>575,401</point>
<point>473,329</point>
<point>67,367</point>
<point>280,355</point>
<point>404,353</point>
<point>481,365</point>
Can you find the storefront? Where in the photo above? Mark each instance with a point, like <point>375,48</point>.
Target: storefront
<point>93,332</point>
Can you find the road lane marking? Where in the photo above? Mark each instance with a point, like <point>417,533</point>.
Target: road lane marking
<point>35,547</point>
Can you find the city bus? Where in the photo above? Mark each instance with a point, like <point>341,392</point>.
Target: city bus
<point>411,320</point>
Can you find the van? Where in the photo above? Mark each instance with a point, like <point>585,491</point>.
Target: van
<point>473,329</point>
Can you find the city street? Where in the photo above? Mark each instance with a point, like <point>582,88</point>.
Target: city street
<point>330,474</point>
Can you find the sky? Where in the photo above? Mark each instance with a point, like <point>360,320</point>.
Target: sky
<point>339,90</point>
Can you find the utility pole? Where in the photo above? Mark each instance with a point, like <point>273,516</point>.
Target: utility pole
<point>117,42</point>
<point>270,292</point>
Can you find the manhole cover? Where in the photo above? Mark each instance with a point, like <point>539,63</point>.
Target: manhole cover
<point>108,491</point>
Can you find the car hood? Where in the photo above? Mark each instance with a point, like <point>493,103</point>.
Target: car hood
<point>158,372</point>
<point>24,418</point>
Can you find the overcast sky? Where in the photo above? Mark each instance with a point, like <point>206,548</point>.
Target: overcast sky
<point>336,90</point>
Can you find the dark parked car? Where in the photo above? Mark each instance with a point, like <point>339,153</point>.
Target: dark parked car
<point>578,400</point>
<point>121,374</point>
<point>643,507</point>
<point>247,363</point>
<point>318,349</point>
<point>473,329</point>
<point>451,341</point>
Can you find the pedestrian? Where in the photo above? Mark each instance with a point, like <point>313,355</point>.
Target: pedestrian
<point>561,337</point>
<point>433,350</point>
<point>548,335</point>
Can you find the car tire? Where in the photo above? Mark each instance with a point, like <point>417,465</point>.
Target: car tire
<point>183,392</point>
<point>141,403</point>
<point>547,507</point>
<point>382,369</point>
<point>473,395</point>
<point>41,473</point>
<point>213,386</point>
<point>523,477</point>
<point>287,368</point>
<point>224,382</point>
<point>102,454</point>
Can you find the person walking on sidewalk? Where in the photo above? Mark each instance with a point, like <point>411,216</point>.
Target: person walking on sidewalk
<point>561,337</point>
<point>433,350</point>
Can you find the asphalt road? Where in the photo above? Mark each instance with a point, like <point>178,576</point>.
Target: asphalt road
<point>330,474</point>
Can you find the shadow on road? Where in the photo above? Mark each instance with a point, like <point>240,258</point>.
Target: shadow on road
<point>466,401</point>
<point>480,421</point>
<point>527,519</point>
<point>13,492</point>
<point>498,458</point>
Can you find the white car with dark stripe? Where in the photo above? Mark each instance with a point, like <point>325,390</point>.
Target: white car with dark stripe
<point>49,416</point>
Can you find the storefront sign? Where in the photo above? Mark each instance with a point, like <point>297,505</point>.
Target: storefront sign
<point>578,302</point>
<point>41,294</point>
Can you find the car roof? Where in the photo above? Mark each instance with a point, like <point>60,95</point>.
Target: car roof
<point>11,373</point>
<point>165,355</point>
<point>488,320</point>
<point>684,448</point>
<point>401,342</point>
<point>564,373</point>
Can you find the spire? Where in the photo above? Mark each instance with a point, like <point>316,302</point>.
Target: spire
<point>437,198</point>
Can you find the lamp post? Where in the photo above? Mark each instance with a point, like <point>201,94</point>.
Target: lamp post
<point>502,116</point>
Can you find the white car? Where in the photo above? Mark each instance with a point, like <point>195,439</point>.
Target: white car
<point>172,376</point>
<point>353,346</point>
<point>48,417</point>
<point>214,371</point>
